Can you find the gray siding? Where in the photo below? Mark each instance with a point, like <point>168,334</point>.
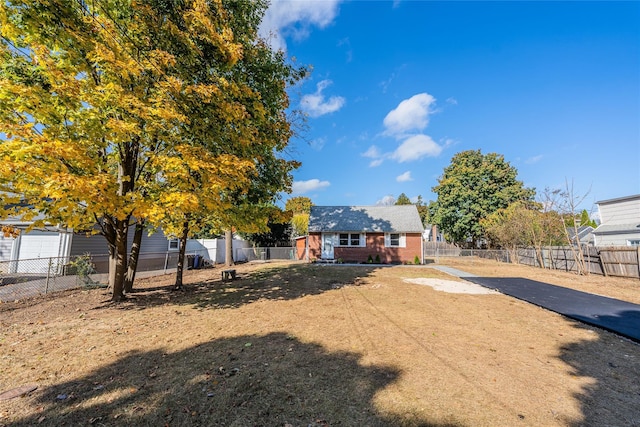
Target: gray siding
<point>82,244</point>
<point>155,243</point>
<point>97,244</point>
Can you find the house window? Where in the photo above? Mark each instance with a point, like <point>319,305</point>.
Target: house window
<point>349,239</point>
<point>174,244</point>
<point>395,240</point>
<point>633,242</point>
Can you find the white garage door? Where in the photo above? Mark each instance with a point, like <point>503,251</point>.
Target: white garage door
<point>37,247</point>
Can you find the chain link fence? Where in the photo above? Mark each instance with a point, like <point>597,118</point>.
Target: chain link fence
<point>27,278</point>
<point>265,254</point>
<point>20,279</point>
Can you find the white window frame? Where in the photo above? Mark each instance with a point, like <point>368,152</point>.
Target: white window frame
<point>633,242</point>
<point>402,240</point>
<point>350,238</point>
<point>172,243</point>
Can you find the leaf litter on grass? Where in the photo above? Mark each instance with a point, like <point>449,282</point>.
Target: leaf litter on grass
<point>333,344</point>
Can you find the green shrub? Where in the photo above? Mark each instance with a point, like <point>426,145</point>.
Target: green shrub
<point>416,260</point>
<point>370,259</point>
<point>83,267</point>
<point>377,258</point>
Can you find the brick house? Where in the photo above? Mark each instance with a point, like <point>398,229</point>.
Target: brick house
<point>355,233</point>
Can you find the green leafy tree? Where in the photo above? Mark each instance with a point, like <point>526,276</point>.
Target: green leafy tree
<point>278,232</point>
<point>471,188</point>
<point>403,200</point>
<point>581,220</point>
<point>524,224</point>
<point>423,211</point>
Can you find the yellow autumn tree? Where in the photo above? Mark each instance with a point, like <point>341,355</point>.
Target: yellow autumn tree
<point>258,132</point>
<point>98,119</point>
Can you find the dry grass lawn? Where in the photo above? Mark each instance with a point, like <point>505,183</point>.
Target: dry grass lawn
<point>290,344</point>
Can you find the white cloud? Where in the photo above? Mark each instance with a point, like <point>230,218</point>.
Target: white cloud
<point>372,152</point>
<point>315,104</point>
<point>534,159</point>
<point>347,43</point>
<point>416,147</point>
<point>301,187</point>
<point>318,144</point>
<point>387,200</point>
<point>295,18</point>
<point>410,115</point>
<point>404,177</point>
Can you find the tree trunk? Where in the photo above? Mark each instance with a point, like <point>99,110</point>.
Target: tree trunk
<point>109,233</point>
<point>119,259</point>
<point>228,248</point>
<point>183,249</point>
<point>133,257</point>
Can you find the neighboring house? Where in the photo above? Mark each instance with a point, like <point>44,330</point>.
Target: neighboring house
<point>63,244</point>
<point>432,234</point>
<point>619,222</point>
<point>47,242</point>
<point>585,235</point>
<point>355,233</point>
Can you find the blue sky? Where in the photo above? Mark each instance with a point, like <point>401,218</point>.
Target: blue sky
<point>398,88</point>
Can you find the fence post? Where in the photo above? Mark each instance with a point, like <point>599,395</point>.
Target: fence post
<point>166,261</point>
<point>46,286</point>
<point>602,263</point>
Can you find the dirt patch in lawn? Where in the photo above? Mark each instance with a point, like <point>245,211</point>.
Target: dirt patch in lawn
<point>289,344</point>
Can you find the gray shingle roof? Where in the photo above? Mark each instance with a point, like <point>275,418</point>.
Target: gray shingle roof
<point>617,228</point>
<point>381,219</point>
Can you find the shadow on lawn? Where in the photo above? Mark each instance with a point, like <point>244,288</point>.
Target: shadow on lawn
<point>277,283</point>
<point>270,380</point>
<point>613,364</point>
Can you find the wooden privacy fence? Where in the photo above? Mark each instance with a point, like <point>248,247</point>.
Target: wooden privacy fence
<point>621,261</point>
<point>607,261</point>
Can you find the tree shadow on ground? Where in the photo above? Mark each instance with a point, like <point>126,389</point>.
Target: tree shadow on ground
<point>277,283</point>
<point>613,364</point>
<point>270,380</point>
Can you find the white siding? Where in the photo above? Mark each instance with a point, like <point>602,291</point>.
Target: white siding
<point>6,245</point>
<point>616,239</point>
<point>622,212</point>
